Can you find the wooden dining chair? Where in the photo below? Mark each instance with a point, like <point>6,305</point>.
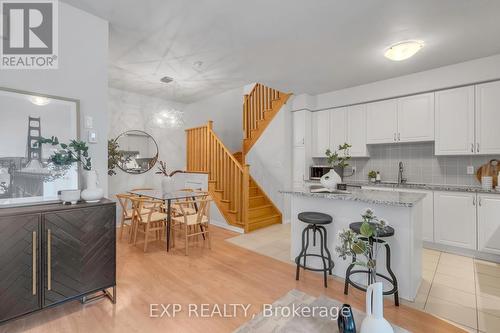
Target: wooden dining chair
<point>148,217</point>
<point>126,214</point>
<point>189,223</point>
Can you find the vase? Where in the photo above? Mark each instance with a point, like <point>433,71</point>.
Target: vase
<point>330,180</point>
<point>167,184</point>
<point>92,192</point>
<point>374,321</point>
<point>345,321</point>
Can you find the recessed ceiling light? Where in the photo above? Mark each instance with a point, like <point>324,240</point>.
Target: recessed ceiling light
<point>166,79</point>
<point>197,64</point>
<point>403,50</point>
<point>39,100</point>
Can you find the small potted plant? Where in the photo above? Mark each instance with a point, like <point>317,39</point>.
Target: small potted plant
<point>338,160</point>
<point>167,182</point>
<point>372,176</point>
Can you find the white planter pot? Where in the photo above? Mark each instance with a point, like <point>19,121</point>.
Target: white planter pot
<point>92,192</point>
<point>167,184</point>
<point>374,321</point>
<point>330,180</point>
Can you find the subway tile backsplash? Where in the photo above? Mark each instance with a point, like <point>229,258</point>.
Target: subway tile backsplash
<point>420,164</point>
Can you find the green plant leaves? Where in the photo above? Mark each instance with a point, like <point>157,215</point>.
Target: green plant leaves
<point>366,229</point>
<point>359,247</point>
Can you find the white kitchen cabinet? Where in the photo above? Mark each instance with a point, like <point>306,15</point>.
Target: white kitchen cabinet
<point>356,130</point>
<point>454,121</point>
<point>299,128</point>
<point>382,121</point>
<point>488,118</point>
<point>320,133</point>
<point>416,118</point>
<point>299,166</point>
<point>455,219</point>
<point>488,218</point>
<point>338,128</point>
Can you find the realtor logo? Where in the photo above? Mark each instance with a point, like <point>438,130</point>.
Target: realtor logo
<point>29,34</point>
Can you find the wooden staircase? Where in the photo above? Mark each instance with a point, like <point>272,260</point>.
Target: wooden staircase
<point>239,198</point>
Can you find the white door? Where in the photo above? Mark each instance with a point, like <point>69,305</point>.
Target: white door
<point>299,128</point>
<point>488,118</point>
<point>320,132</point>
<point>455,219</point>
<point>299,166</point>
<point>338,128</point>
<point>382,121</point>
<point>455,122</point>
<point>356,130</point>
<point>488,214</point>
<point>416,118</point>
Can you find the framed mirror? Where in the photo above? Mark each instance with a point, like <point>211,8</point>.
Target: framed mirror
<point>26,176</point>
<point>138,150</point>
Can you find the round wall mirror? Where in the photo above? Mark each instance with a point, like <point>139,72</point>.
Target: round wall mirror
<point>138,150</point>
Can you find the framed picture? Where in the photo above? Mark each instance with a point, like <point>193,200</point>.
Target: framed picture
<point>26,176</point>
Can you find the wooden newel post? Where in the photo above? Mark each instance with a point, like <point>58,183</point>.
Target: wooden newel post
<point>245,197</point>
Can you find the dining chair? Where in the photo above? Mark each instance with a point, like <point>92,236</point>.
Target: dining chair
<point>187,209</point>
<point>188,223</point>
<point>127,213</point>
<point>148,217</point>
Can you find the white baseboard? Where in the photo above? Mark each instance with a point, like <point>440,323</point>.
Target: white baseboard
<point>224,225</point>
<point>463,252</point>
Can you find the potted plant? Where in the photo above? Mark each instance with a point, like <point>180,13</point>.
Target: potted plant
<point>114,156</point>
<point>338,160</point>
<point>76,151</point>
<point>372,176</point>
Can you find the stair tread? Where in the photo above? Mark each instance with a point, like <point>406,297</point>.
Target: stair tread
<point>261,207</point>
<point>263,218</point>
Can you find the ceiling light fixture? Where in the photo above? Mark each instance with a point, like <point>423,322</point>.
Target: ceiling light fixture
<point>170,118</point>
<point>166,79</point>
<point>403,50</point>
<point>39,100</point>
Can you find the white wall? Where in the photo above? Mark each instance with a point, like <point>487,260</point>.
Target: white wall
<point>478,70</point>
<point>82,74</point>
<point>226,111</point>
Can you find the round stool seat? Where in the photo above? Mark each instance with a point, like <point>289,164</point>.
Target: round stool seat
<point>387,232</point>
<point>315,218</point>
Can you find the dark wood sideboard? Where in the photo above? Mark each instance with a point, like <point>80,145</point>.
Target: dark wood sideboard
<point>54,253</point>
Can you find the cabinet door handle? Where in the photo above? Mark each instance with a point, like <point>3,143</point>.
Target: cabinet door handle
<point>395,137</point>
<point>477,149</point>
<point>399,136</point>
<point>480,202</point>
<point>471,147</point>
<point>473,201</point>
<point>34,262</point>
<point>49,260</point>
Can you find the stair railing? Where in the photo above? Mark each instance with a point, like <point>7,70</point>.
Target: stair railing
<point>254,106</point>
<point>207,153</point>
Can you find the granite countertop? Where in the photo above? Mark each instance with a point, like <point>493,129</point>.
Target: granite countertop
<point>415,186</point>
<point>400,199</point>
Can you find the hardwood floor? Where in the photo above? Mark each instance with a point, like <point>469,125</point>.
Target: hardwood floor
<point>225,274</point>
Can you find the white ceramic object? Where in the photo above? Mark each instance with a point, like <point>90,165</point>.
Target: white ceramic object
<point>167,184</point>
<point>374,321</point>
<point>487,182</point>
<point>330,180</point>
<point>92,193</point>
<point>70,196</point>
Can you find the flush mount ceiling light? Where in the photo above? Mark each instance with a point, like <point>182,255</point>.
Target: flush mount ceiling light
<point>166,79</point>
<point>403,50</point>
<point>39,100</point>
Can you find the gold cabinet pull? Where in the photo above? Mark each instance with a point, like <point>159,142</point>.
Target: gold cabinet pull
<point>49,260</point>
<point>34,262</point>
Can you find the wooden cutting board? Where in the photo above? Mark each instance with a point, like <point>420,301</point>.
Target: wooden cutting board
<point>489,169</point>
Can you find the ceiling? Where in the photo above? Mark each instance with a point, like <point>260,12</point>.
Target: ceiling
<point>298,46</point>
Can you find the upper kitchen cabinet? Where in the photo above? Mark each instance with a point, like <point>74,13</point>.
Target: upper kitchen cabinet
<point>382,121</point>
<point>320,133</point>
<point>454,122</point>
<point>416,118</point>
<point>356,130</point>
<point>299,128</point>
<point>488,118</point>
<point>338,128</point>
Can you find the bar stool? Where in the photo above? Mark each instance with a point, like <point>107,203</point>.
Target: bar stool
<point>316,223</point>
<point>387,232</point>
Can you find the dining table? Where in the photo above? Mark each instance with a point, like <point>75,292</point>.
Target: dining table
<point>168,197</point>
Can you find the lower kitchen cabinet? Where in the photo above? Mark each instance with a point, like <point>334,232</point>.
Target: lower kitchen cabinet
<point>488,214</point>
<point>19,265</point>
<point>455,219</point>
<point>53,253</point>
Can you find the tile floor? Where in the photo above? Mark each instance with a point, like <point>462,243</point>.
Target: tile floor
<point>459,289</point>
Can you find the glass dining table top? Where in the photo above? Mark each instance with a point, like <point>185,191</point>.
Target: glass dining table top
<point>159,195</point>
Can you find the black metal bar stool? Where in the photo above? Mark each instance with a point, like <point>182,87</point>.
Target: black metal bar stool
<point>388,232</point>
<point>316,223</point>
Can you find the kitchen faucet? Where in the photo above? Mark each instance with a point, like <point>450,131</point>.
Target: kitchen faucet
<point>401,180</point>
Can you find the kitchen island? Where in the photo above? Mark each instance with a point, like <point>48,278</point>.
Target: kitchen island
<point>402,210</point>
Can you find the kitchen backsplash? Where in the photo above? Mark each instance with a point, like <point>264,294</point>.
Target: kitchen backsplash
<point>420,164</point>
